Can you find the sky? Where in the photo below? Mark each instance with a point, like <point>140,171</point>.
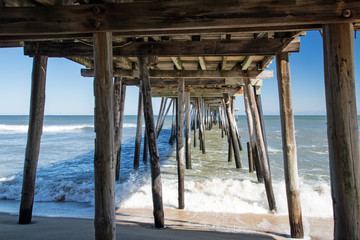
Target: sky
<point>67,93</point>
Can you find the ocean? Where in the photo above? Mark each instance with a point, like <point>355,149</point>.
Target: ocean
<point>65,188</point>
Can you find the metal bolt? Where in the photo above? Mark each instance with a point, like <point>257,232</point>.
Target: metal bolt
<point>346,13</point>
<point>97,24</point>
<point>96,10</point>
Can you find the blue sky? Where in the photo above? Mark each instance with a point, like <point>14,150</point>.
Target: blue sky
<point>69,93</point>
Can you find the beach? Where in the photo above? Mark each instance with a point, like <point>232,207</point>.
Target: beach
<point>180,224</point>
<point>218,197</point>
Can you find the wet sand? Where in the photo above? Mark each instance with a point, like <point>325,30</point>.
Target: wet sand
<point>138,224</point>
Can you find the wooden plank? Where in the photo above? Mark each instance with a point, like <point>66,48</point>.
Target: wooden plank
<point>104,222</point>
<point>188,131</point>
<point>140,17</point>
<point>36,118</point>
<point>187,73</point>
<point>289,146</point>
<point>244,47</point>
<point>342,128</point>
<point>156,185</point>
<point>180,146</point>
<point>138,132</point>
<point>248,90</point>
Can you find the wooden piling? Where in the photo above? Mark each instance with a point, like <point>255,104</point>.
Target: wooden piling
<point>36,118</point>
<point>163,118</point>
<point>138,132</point>
<point>173,124</point>
<point>201,127</point>
<point>261,116</point>
<point>156,185</point>
<point>195,124</point>
<point>248,90</point>
<point>120,128</point>
<point>104,144</point>
<point>227,102</point>
<point>342,128</point>
<point>289,146</point>
<point>187,131</point>
<point>250,157</point>
<point>145,147</point>
<point>180,142</point>
<point>259,171</point>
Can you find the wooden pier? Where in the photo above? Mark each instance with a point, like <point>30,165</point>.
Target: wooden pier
<point>197,55</point>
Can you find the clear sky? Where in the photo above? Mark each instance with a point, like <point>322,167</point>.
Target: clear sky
<point>69,93</point>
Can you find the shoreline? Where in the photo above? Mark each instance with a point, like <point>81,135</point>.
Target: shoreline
<point>137,223</point>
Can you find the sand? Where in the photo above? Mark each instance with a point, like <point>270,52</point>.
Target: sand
<point>137,224</point>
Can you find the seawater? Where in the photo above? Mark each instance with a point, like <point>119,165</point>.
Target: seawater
<point>64,183</point>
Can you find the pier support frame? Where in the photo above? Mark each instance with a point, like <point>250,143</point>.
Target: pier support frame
<point>342,128</point>
<point>104,164</point>
<point>289,146</point>
<point>138,132</point>
<point>156,184</point>
<point>180,142</point>
<point>249,92</point>
<point>36,119</point>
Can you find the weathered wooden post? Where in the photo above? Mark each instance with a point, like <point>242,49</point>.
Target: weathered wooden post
<point>250,157</point>
<point>342,128</point>
<point>163,118</point>
<point>248,91</point>
<point>104,144</point>
<point>252,136</point>
<point>201,126</point>
<point>180,142</point>
<point>289,145</point>
<point>261,116</point>
<point>36,118</point>
<point>138,132</point>
<point>173,124</point>
<point>120,128</point>
<point>145,147</point>
<point>227,102</point>
<point>188,130</point>
<point>195,122</point>
<point>156,185</point>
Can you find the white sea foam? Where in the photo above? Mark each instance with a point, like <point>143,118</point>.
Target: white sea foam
<point>232,196</point>
<point>15,129</point>
<point>274,150</point>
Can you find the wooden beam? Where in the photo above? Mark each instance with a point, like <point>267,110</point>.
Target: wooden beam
<point>123,62</point>
<point>202,63</point>
<point>118,142</point>
<point>289,146</point>
<point>36,119</point>
<point>158,82</point>
<point>104,222</point>
<point>246,63</point>
<point>187,73</point>
<point>156,184</point>
<point>244,47</point>
<point>87,62</point>
<point>140,17</point>
<point>342,129</point>
<point>177,63</point>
